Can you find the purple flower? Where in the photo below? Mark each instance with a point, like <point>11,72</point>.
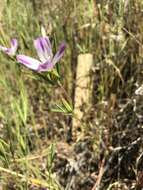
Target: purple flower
<point>46,60</point>
<point>12,50</point>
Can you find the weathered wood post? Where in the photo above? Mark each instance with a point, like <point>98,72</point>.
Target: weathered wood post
<point>82,90</point>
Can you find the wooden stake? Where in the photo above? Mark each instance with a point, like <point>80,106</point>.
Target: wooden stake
<point>82,90</point>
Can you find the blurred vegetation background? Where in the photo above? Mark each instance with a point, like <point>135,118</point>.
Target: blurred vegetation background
<point>37,148</point>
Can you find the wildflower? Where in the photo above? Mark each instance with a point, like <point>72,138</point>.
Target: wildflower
<point>46,60</point>
<point>12,50</point>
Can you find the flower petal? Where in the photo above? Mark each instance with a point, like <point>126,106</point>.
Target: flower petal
<point>12,50</point>
<point>59,53</point>
<point>14,46</point>
<point>6,50</point>
<point>43,47</point>
<point>2,48</point>
<point>29,62</point>
<point>46,66</point>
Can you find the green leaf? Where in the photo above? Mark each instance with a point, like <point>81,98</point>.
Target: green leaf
<point>65,107</point>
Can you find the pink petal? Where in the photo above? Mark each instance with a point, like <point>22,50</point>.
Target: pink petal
<point>12,50</point>
<point>29,62</point>
<point>2,48</point>
<point>14,46</point>
<point>45,66</point>
<point>6,50</point>
<point>43,47</point>
<point>59,53</point>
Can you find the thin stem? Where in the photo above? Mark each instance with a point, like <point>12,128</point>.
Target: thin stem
<point>64,91</point>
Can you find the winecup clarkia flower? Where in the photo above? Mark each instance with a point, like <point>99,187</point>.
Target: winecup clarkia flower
<point>12,50</point>
<point>46,60</point>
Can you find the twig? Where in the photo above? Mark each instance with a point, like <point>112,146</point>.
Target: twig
<point>101,171</point>
<point>128,32</point>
